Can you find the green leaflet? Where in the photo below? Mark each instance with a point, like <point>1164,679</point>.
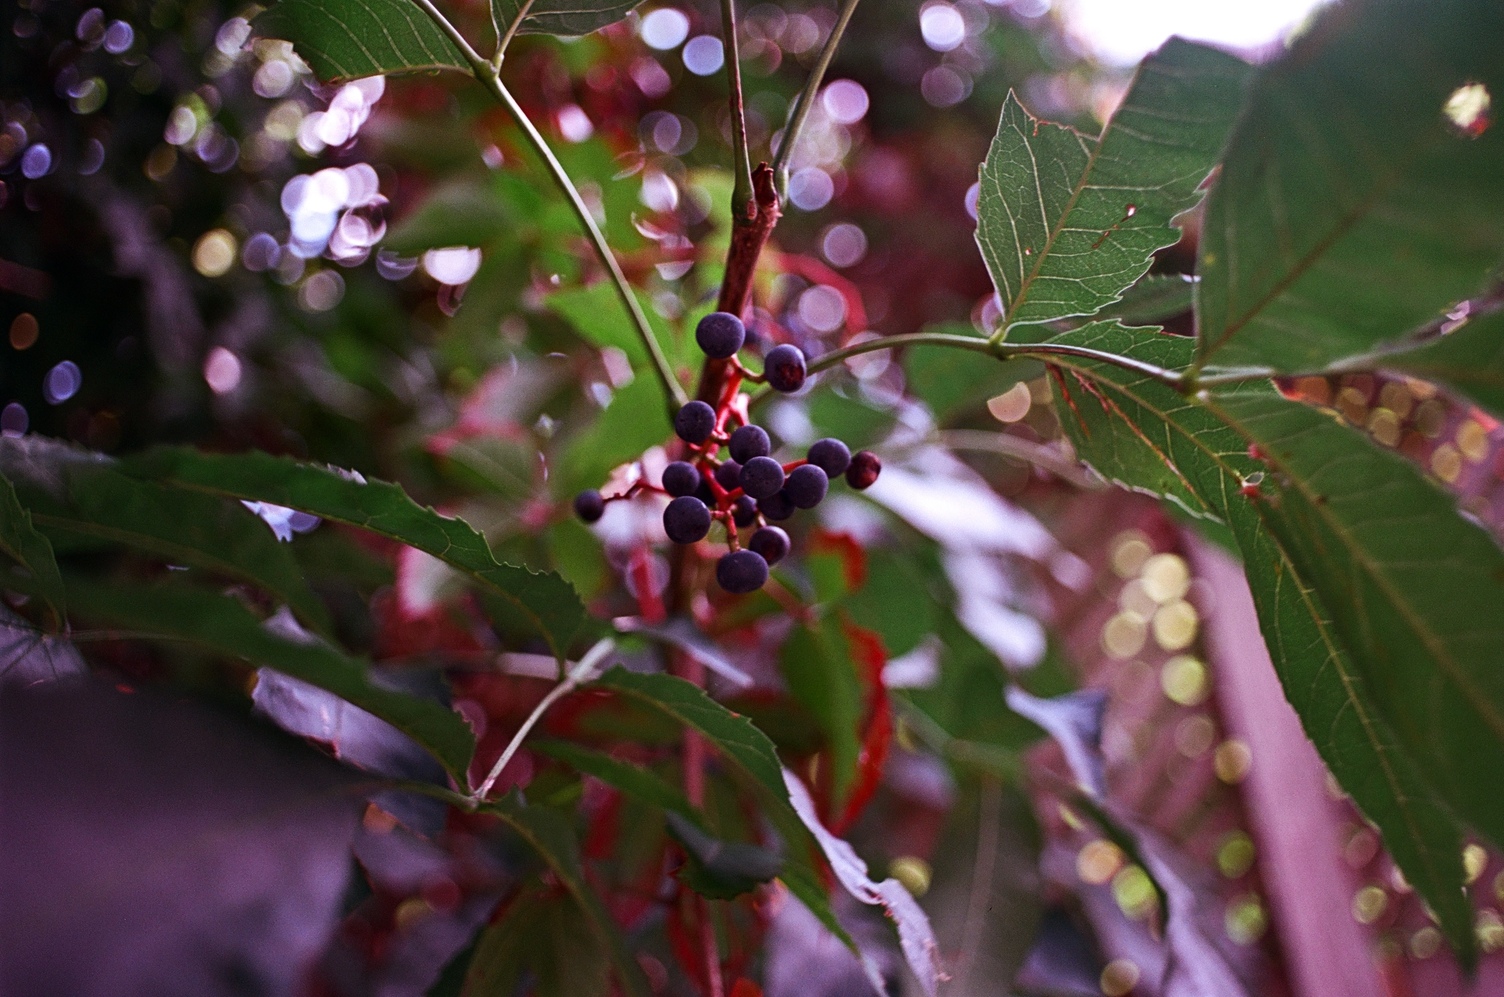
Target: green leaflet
<point>223,626</point>
<point>560,17</point>
<point>19,539</point>
<point>1065,223</point>
<point>1349,211</point>
<point>1146,436</point>
<point>74,495</point>
<point>548,601</point>
<point>349,39</point>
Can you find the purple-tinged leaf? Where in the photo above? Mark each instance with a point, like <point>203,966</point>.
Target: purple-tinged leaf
<point>683,634</point>
<point>1074,720</point>
<point>915,937</point>
<point>29,657</point>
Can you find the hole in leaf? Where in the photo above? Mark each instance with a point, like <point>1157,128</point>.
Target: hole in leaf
<point>1469,109</point>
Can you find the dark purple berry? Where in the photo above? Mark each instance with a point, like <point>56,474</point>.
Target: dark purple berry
<point>744,511</point>
<point>729,475</point>
<point>762,477</point>
<point>776,507</point>
<point>741,571</point>
<point>589,505</point>
<point>784,367</point>
<point>771,543</point>
<point>720,335</point>
<point>806,486</point>
<point>831,456</point>
<point>686,520</point>
<point>864,469</point>
<point>748,442</point>
<point>695,422</point>
<point>680,478</point>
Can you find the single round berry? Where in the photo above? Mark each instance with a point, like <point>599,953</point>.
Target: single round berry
<point>720,335</point>
<point>680,478</point>
<point>695,422</point>
<point>806,486</point>
<point>771,543</point>
<point>741,571</point>
<point>748,442</point>
<point>762,477</point>
<point>776,507</point>
<point>744,511</point>
<point>729,475</point>
<point>589,505</point>
<point>686,520</point>
<point>831,456</point>
<point>784,367</point>
<point>864,469</point>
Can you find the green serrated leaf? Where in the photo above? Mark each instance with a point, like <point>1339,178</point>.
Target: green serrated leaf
<point>1413,588</point>
<point>351,39</point>
<point>223,626</point>
<point>551,836</point>
<point>75,495</point>
<point>30,549</point>
<point>383,508</point>
<point>1066,223</point>
<point>1144,435</point>
<point>560,17</point>
<point>1349,210</point>
<point>739,742</point>
<point>1468,360</point>
<point>635,780</point>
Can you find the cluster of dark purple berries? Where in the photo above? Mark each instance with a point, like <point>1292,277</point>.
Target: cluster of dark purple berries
<point>748,488</point>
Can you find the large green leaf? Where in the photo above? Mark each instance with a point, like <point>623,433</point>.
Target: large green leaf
<point>19,539</point>
<point>597,315</point>
<point>75,495</point>
<point>1469,361</point>
<point>750,752</point>
<point>549,602</point>
<point>1413,588</point>
<point>1142,434</point>
<point>1349,210</point>
<point>1065,223</point>
<point>224,626</point>
<point>551,836</point>
<point>349,39</point>
<point>560,17</point>
<point>631,422</point>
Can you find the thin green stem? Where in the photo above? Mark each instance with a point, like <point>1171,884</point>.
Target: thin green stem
<point>489,78</point>
<point>741,196</point>
<point>1194,380</point>
<point>578,675</point>
<point>505,35</point>
<point>1001,351</point>
<point>806,97</point>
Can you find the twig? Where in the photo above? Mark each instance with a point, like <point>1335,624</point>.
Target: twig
<point>741,195</point>
<point>505,35</point>
<point>578,675</point>
<point>489,78</point>
<point>806,97</point>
